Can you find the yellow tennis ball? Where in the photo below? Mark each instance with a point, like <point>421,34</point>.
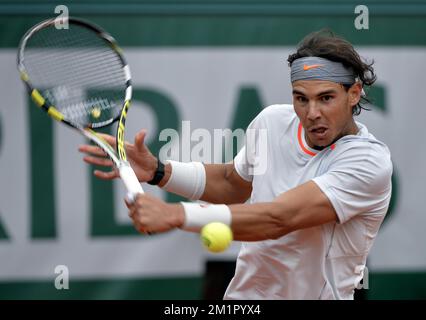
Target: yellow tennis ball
<point>96,112</point>
<point>216,236</point>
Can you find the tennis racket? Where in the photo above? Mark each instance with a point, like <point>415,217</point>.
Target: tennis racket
<point>79,77</point>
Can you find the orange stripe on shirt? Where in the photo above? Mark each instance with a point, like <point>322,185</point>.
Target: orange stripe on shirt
<point>299,138</point>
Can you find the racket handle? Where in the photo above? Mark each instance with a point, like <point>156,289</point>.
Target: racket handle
<point>130,181</point>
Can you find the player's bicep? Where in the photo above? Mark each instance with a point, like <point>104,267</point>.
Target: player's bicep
<point>306,206</point>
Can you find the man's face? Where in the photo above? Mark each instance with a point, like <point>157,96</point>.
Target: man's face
<point>325,110</point>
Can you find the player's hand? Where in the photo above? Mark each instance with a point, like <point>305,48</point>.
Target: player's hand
<point>141,159</point>
<point>152,215</point>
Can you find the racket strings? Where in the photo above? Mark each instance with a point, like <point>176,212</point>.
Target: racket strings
<point>78,72</point>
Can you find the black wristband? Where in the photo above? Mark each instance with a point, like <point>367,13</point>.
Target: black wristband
<point>158,175</point>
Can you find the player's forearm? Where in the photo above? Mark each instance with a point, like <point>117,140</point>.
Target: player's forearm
<point>272,220</point>
<point>302,207</point>
<point>221,183</point>
<point>260,221</point>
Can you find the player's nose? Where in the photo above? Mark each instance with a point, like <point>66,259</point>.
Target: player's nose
<point>314,111</point>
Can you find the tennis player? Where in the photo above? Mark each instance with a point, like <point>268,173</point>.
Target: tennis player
<point>318,200</point>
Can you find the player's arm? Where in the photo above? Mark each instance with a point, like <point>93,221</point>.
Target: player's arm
<point>302,207</point>
<point>299,208</point>
<point>222,184</point>
<point>357,182</point>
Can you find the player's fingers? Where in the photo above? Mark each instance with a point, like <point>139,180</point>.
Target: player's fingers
<point>108,138</point>
<point>131,212</point>
<point>105,162</point>
<point>140,200</point>
<point>140,140</point>
<point>94,150</point>
<point>106,175</point>
<point>129,204</point>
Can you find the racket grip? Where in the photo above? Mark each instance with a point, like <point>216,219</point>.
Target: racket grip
<point>130,181</point>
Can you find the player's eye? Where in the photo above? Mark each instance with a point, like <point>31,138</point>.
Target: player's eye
<point>326,98</point>
<point>301,99</point>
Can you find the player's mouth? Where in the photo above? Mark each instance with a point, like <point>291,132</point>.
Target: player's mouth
<point>319,131</point>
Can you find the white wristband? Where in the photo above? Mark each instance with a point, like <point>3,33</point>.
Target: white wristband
<point>197,215</point>
<point>187,179</point>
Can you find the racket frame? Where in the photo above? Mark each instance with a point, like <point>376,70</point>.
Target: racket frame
<point>118,156</point>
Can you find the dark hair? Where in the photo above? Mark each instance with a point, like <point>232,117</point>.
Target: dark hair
<point>326,44</point>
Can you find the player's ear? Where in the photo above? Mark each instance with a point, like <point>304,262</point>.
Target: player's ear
<point>355,93</point>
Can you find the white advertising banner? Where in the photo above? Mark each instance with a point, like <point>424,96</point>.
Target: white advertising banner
<point>201,85</point>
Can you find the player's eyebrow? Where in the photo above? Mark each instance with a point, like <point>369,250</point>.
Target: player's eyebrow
<point>298,92</point>
<point>322,93</point>
<point>331,91</point>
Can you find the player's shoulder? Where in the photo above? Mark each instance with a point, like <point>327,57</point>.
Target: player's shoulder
<point>364,146</point>
<point>363,139</point>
